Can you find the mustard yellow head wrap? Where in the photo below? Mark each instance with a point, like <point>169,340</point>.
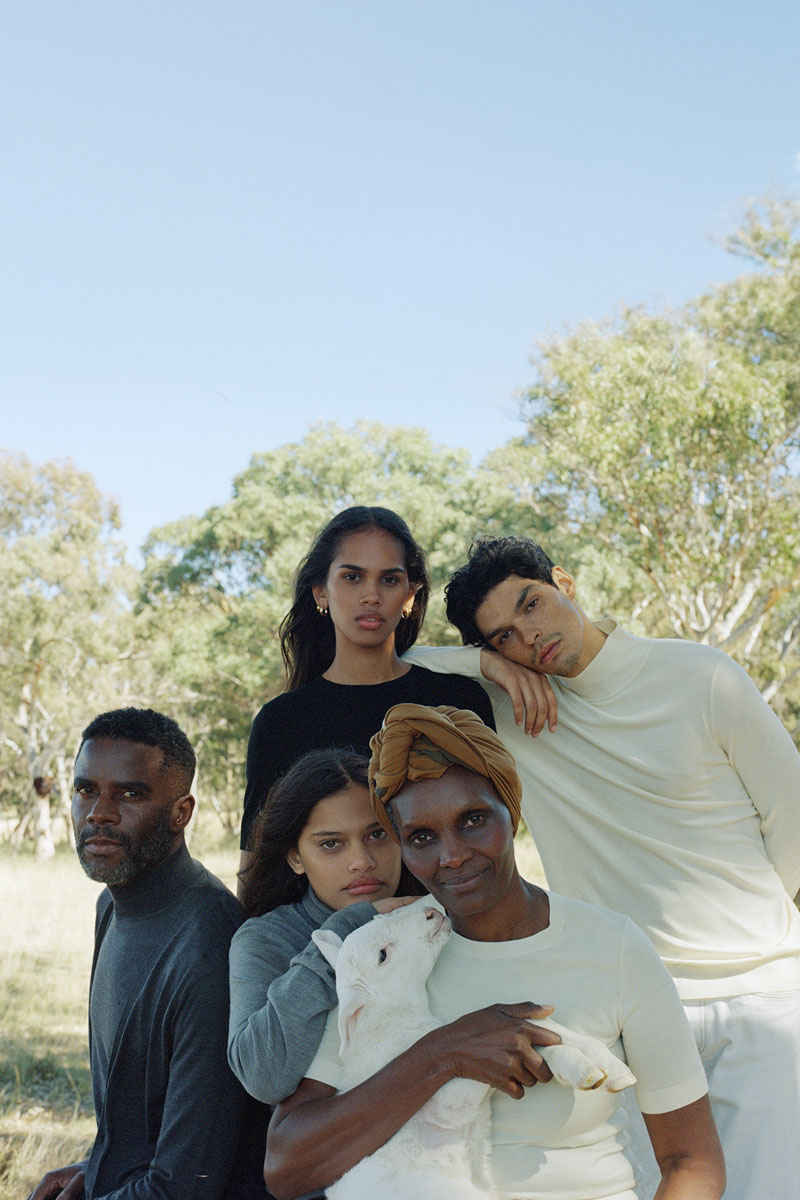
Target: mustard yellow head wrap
<point>416,742</point>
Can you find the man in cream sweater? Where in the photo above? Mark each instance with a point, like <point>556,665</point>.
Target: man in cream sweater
<point>668,791</point>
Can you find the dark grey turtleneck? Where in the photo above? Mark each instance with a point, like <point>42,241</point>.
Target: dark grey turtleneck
<point>170,1114</point>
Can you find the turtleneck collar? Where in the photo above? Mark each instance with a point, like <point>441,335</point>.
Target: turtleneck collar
<point>617,661</point>
<point>315,908</point>
<point>156,888</point>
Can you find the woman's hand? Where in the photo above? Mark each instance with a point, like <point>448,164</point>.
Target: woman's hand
<point>532,697</point>
<point>495,1045</point>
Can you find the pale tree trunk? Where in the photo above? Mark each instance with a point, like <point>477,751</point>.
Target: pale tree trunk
<point>20,830</point>
<point>65,796</point>
<point>43,830</point>
<point>35,722</point>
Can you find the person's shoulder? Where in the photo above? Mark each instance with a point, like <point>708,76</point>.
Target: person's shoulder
<point>287,704</point>
<point>683,648</point>
<point>432,687</point>
<point>215,912</point>
<point>693,659</point>
<point>590,918</point>
<point>612,935</point>
<point>434,683</point>
<point>277,923</point>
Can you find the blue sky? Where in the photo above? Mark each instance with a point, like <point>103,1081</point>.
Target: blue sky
<point>224,222</point>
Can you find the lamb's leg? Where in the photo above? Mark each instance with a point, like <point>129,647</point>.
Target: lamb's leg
<point>456,1103</point>
<point>583,1063</point>
<point>571,1067</point>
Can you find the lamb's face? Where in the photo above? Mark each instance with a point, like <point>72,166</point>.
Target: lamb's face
<point>393,954</point>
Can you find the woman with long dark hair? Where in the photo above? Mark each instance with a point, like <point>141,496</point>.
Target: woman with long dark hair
<point>360,596</point>
<point>320,859</point>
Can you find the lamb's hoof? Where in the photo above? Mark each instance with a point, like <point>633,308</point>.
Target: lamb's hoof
<point>620,1079</point>
<point>594,1078</point>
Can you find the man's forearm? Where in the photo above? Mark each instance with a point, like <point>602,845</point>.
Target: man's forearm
<point>447,660</point>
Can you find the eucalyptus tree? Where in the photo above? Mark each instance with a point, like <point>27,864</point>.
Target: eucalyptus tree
<point>66,637</point>
<point>670,442</point>
<point>216,586</point>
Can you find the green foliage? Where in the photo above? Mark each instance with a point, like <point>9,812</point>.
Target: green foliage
<point>65,628</point>
<point>660,463</point>
<point>216,588</point>
<point>670,442</point>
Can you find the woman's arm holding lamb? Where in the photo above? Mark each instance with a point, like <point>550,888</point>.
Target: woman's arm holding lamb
<point>278,1008</point>
<point>688,1152</point>
<point>316,1135</point>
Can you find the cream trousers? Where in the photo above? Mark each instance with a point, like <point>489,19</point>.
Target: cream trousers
<point>750,1048</point>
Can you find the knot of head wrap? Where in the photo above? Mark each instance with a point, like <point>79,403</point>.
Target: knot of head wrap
<point>416,742</point>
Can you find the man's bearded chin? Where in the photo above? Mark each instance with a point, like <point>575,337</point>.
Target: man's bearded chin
<point>139,853</point>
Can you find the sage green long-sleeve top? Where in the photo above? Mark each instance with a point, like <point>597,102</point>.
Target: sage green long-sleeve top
<point>281,992</point>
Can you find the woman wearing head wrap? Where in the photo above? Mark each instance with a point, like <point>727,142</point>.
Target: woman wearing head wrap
<point>447,790</point>
<point>417,742</point>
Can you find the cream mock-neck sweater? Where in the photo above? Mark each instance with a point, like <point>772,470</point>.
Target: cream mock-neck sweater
<point>670,792</point>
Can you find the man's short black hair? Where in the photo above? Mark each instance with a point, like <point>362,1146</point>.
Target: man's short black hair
<point>151,728</point>
<point>491,560</point>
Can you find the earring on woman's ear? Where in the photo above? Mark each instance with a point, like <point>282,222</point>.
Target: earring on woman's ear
<point>404,614</point>
<point>322,611</point>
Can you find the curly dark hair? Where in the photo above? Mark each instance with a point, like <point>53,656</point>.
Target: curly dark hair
<point>268,881</point>
<point>151,728</point>
<point>308,642</point>
<point>491,560</point>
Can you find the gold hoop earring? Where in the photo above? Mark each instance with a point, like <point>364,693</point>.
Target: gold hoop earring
<point>322,611</point>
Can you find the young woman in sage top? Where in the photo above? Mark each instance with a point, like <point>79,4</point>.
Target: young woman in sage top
<point>359,601</point>
<point>320,858</point>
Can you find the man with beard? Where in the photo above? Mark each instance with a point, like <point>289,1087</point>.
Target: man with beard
<point>170,1114</point>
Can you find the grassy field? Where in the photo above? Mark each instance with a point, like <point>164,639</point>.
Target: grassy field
<point>46,1116</point>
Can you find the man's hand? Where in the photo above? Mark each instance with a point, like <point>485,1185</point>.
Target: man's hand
<point>532,697</point>
<point>392,902</point>
<point>496,1045</point>
<point>65,1183</point>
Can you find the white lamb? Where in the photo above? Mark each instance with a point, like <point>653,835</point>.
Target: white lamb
<point>381,971</point>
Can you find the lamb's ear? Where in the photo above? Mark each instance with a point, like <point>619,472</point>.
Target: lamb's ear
<point>351,1005</point>
<point>328,943</point>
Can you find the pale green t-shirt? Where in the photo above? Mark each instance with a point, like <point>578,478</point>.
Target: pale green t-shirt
<point>605,979</point>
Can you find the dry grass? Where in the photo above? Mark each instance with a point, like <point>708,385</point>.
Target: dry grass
<point>46,1116</point>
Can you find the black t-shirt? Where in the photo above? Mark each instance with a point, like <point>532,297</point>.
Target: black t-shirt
<point>321,714</point>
